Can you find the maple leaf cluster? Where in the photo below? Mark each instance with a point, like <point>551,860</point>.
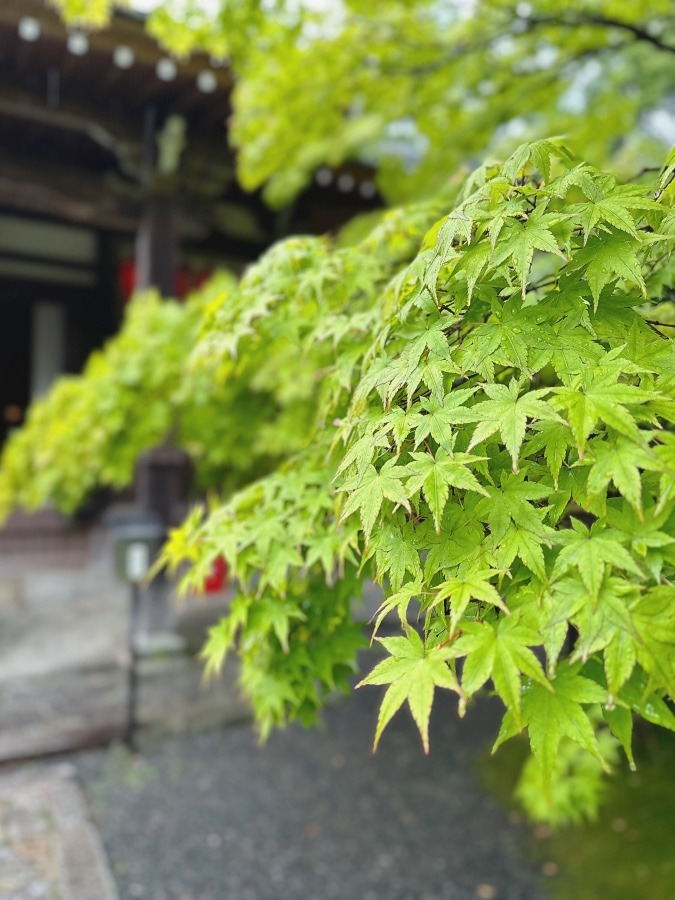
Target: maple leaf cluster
<point>472,407</point>
<point>493,446</point>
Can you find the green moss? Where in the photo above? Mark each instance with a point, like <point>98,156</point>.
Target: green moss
<point>629,852</point>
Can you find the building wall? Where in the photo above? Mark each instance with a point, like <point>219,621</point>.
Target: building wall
<point>58,300</point>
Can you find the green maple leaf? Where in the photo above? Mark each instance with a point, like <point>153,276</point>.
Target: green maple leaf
<point>478,350</point>
<point>459,541</point>
<point>267,533</point>
<point>432,338</point>
<point>440,416</point>
<point>667,173</point>
<point>397,421</point>
<point>277,564</point>
<point>457,225</point>
<point>539,153</point>
<point>612,206</point>
<point>360,454</point>
<point>435,475</point>
<point>510,503</point>
<point>598,395</point>
<point>500,652</point>
<point>620,462</point>
<point>221,637</point>
<point>666,456</point>
<point>462,589</point>
<point>551,715</point>
<point>333,653</point>
<point>620,721</point>
<point>432,373</point>
<point>508,413</point>
<point>654,619</point>
<point>514,344</point>
<point>640,696</point>
<point>590,553</point>
<point>398,602</point>
<point>620,658</point>
<point>527,545</point>
<point>554,439</point>
<point>636,695</point>
<point>517,242</point>
<point>607,257</point>
<point>517,338</point>
<point>366,493</point>
<point>273,614</point>
<point>412,673</point>
<point>604,624</point>
<point>432,424</point>
<point>473,261</point>
<point>394,555</point>
<point>648,539</point>
<point>328,550</point>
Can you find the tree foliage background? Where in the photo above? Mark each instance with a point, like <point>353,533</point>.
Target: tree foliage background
<point>469,401</point>
<point>424,86</point>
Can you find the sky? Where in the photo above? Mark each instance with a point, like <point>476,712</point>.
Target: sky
<point>213,5</point>
<point>149,5</point>
<point>144,5</point>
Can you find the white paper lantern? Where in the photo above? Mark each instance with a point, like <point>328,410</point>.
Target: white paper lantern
<point>29,29</point>
<point>166,69</point>
<point>207,81</point>
<point>324,177</point>
<point>78,43</point>
<point>346,182</point>
<point>123,57</point>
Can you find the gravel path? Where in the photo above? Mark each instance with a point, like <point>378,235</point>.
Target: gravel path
<point>311,815</point>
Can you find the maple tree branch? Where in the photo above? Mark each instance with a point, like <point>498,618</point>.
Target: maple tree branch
<point>538,285</point>
<point>640,34</point>
<point>644,171</point>
<point>459,50</point>
<point>655,329</point>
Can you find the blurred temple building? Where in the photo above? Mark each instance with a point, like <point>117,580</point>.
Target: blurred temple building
<point>115,173</point>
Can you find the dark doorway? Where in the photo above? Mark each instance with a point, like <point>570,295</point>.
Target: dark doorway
<point>15,332</point>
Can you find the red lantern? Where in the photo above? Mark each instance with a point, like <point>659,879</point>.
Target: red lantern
<point>216,580</point>
<point>186,279</point>
<point>127,278</point>
<point>182,282</point>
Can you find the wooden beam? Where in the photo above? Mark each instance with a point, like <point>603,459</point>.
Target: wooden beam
<point>206,160</point>
<point>123,29</point>
<point>112,136</point>
<point>157,246</point>
<point>62,193</point>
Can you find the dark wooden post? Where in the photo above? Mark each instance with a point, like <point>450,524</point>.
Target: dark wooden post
<point>163,475</point>
<point>157,238</point>
<point>157,246</point>
<point>163,480</point>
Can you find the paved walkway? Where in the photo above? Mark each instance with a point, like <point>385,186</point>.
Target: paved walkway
<point>64,659</point>
<point>49,849</point>
<point>310,816</point>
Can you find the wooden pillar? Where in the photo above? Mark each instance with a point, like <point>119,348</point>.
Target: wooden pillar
<point>48,351</point>
<point>157,239</point>
<point>162,475</point>
<point>157,246</point>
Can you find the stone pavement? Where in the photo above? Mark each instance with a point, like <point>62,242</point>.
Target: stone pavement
<point>49,849</point>
<point>64,658</point>
<point>62,649</point>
